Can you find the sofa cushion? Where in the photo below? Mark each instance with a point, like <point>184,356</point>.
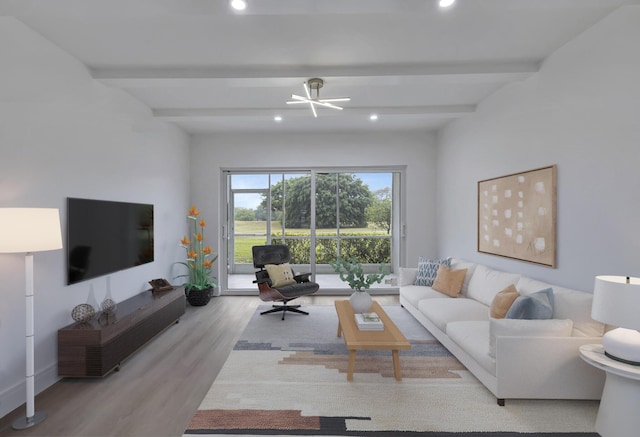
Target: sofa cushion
<point>428,269</point>
<point>538,305</point>
<point>486,283</point>
<point>527,328</point>
<point>567,304</point>
<point>473,337</point>
<point>416,293</point>
<point>449,281</point>
<point>445,310</point>
<point>503,301</point>
<point>459,264</point>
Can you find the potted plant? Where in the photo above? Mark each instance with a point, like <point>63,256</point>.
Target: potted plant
<point>350,271</point>
<point>199,263</point>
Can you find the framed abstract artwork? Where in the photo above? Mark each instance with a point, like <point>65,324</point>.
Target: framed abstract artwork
<point>517,216</point>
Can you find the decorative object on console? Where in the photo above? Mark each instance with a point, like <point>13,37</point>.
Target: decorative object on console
<point>199,263</point>
<point>616,300</point>
<point>83,313</point>
<point>351,272</point>
<point>517,216</point>
<point>92,301</point>
<point>108,305</point>
<point>29,230</point>
<point>160,284</point>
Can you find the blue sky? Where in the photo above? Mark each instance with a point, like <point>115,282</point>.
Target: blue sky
<point>375,181</point>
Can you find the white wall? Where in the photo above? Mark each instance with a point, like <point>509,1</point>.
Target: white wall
<point>64,135</point>
<point>581,112</point>
<point>416,151</point>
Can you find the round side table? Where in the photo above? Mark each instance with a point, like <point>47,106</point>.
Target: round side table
<point>618,413</point>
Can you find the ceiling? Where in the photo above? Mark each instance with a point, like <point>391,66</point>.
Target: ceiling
<point>207,68</point>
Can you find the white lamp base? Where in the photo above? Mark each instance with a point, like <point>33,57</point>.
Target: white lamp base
<point>623,345</point>
<point>28,422</point>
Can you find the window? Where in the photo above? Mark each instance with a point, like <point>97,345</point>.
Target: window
<point>319,214</point>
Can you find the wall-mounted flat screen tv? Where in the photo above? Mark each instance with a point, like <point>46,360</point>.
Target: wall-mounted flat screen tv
<point>105,237</point>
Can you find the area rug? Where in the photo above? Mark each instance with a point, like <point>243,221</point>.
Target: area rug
<point>289,378</point>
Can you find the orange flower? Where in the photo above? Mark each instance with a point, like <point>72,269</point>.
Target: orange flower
<point>192,254</point>
<point>206,250</point>
<point>199,236</point>
<point>185,241</point>
<point>203,223</point>
<point>193,211</point>
<point>207,263</point>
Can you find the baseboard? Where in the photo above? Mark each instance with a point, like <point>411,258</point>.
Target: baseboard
<point>14,396</point>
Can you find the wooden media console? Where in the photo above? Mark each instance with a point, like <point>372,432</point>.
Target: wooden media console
<point>97,347</point>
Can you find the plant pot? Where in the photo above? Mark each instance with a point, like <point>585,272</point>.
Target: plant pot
<point>360,301</point>
<point>198,298</point>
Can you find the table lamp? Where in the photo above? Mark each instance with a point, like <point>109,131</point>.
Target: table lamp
<point>27,230</point>
<point>616,302</point>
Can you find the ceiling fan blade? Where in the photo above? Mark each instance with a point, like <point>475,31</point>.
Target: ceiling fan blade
<point>328,105</point>
<point>335,99</point>
<point>313,108</point>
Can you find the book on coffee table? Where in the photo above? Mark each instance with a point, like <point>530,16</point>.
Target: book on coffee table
<point>369,322</point>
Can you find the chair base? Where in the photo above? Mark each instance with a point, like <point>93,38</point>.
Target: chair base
<point>284,308</point>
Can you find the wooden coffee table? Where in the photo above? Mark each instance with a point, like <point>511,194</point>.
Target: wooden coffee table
<point>355,339</point>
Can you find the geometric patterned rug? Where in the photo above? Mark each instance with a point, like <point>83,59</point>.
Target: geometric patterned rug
<point>289,378</point>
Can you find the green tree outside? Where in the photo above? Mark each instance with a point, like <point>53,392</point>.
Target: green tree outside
<point>353,195</point>
<point>379,211</point>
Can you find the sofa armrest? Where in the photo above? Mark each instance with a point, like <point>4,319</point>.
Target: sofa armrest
<point>547,367</point>
<point>408,275</point>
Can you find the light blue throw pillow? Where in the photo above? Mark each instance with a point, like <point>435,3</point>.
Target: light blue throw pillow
<point>534,306</point>
<point>428,270</point>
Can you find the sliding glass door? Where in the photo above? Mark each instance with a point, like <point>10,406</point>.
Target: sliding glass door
<point>319,215</point>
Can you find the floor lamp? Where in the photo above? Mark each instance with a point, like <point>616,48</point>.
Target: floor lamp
<point>29,230</point>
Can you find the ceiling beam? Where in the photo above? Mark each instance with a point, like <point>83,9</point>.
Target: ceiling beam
<point>449,111</point>
<point>132,75</point>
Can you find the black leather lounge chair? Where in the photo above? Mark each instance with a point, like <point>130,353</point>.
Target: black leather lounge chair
<point>277,281</point>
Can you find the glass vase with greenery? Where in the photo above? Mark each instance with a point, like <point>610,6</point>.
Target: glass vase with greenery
<point>200,258</point>
<point>350,271</point>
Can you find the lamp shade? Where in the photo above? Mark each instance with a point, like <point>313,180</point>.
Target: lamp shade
<point>29,230</point>
<point>617,302</point>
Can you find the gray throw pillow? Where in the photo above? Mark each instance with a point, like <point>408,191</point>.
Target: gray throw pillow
<point>534,306</point>
<point>428,270</point>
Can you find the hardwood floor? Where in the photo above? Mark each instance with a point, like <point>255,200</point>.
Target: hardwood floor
<point>160,387</point>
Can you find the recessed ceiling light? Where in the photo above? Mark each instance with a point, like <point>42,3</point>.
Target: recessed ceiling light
<point>239,5</point>
<point>277,119</point>
<point>446,3</point>
<point>373,117</point>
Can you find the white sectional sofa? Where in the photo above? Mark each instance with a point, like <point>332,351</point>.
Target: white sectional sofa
<point>514,359</point>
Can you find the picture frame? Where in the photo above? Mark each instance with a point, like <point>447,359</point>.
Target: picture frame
<point>517,216</point>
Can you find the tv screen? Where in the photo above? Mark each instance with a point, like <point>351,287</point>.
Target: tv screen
<point>105,236</point>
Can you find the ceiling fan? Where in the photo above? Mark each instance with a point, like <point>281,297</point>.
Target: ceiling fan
<point>316,84</point>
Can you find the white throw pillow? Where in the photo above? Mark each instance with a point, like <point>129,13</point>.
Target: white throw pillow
<point>527,328</point>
